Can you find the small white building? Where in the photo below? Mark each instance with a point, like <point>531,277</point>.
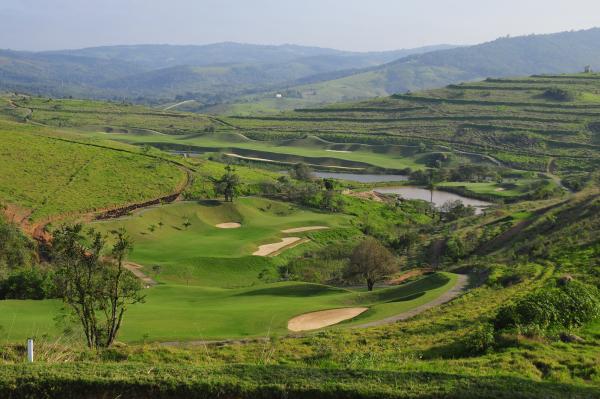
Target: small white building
<point>278,95</point>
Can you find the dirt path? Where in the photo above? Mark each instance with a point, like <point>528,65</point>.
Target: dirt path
<point>136,269</point>
<point>303,229</point>
<point>274,248</point>
<point>177,105</point>
<point>323,318</point>
<point>460,286</point>
<point>549,171</point>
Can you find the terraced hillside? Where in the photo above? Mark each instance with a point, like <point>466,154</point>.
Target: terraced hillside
<point>548,123</point>
<point>541,123</point>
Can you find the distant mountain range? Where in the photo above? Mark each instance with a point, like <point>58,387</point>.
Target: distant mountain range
<point>240,78</point>
<point>154,73</point>
<point>519,56</point>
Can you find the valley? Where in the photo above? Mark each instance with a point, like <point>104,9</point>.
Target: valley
<point>248,239</point>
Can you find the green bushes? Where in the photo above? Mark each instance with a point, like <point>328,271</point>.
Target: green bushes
<point>558,94</point>
<point>16,250</point>
<point>549,310</point>
<point>30,283</point>
<point>481,340</point>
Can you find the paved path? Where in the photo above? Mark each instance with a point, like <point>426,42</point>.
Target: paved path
<point>461,284</point>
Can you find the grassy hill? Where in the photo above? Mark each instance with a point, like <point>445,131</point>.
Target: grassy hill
<point>532,128</point>
<point>244,79</point>
<point>49,174</point>
<point>565,52</point>
<point>520,122</point>
<point>530,132</point>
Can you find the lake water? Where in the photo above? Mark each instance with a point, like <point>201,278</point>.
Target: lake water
<point>439,197</point>
<point>361,178</point>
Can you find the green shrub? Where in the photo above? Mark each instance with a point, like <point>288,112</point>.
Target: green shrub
<point>558,94</point>
<point>550,309</point>
<point>481,340</point>
<point>30,283</point>
<point>15,249</point>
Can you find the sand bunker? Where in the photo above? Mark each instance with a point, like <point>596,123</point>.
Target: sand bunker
<point>228,225</point>
<point>269,249</point>
<point>302,229</point>
<point>316,320</point>
<point>343,151</point>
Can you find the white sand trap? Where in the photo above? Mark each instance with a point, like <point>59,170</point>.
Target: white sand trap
<point>344,151</point>
<point>499,189</point>
<point>324,318</point>
<point>302,229</point>
<point>228,225</point>
<point>268,249</point>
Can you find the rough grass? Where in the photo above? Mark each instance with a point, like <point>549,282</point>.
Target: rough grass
<point>51,175</point>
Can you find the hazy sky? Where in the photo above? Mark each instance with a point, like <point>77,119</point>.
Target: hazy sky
<point>345,24</point>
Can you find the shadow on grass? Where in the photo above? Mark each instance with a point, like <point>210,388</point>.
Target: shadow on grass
<point>295,290</point>
<point>408,297</point>
<point>209,202</point>
<point>406,292</point>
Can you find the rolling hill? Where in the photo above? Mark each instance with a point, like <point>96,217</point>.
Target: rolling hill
<point>155,73</point>
<point>564,52</point>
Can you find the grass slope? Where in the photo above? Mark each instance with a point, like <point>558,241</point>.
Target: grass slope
<point>51,175</point>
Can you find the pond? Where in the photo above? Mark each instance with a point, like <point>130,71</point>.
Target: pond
<point>361,178</point>
<point>439,197</point>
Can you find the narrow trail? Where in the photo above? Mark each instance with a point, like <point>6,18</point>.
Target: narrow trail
<point>136,269</point>
<point>459,288</point>
<point>177,105</point>
<point>555,178</point>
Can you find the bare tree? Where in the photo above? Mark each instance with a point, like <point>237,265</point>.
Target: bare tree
<point>371,261</point>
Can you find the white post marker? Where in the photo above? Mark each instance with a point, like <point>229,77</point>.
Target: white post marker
<point>30,350</point>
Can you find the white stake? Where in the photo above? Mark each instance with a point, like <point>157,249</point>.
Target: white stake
<point>30,350</point>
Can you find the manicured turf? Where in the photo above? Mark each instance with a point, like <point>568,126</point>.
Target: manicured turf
<point>207,255</point>
<point>179,312</point>
<point>273,150</point>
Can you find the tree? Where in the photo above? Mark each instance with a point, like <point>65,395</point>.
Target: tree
<point>16,250</point>
<point>228,184</point>
<point>302,171</point>
<point>371,261</point>
<point>97,290</point>
<point>453,210</point>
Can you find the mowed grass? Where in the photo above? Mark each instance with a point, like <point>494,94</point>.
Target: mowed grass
<point>507,189</point>
<point>310,152</point>
<point>180,312</point>
<point>203,254</point>
<point>210,287</point>
<point>51,175</point>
